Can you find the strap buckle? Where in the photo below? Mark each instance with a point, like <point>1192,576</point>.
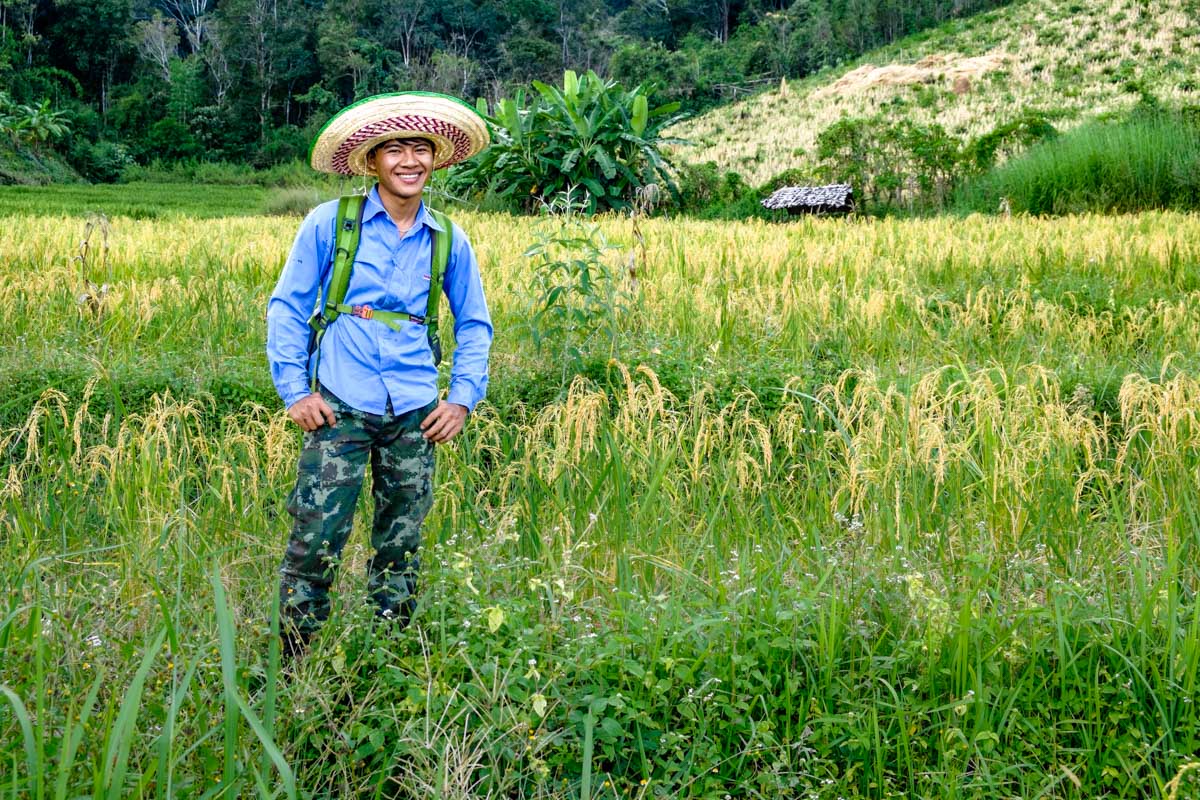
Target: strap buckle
<point>364,311</point>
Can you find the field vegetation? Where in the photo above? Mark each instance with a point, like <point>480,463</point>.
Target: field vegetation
<point>1151,160</point>
<point>831,509</point>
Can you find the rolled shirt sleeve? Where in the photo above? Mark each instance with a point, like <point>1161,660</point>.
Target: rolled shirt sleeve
<point>292,304</point>
<point>472,324</point>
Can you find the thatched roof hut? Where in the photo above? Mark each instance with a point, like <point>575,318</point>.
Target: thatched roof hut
<point>836,198</point>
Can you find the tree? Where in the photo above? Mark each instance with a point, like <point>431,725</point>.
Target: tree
<point>402,24</point>
<point>98,33</point>
<point>157,41</point>
<point>592,135</point>
<point>40,124</point>
<point>215,52</point>
<point>252,25</point>
<point>193,16</point>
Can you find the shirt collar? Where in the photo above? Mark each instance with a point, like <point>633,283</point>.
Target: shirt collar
<point>374,206</point>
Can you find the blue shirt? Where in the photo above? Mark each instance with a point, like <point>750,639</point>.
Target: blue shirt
<point>364,362</point>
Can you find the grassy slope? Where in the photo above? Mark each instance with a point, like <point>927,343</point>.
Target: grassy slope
<point>1074,57</point>
<point>25,168</point>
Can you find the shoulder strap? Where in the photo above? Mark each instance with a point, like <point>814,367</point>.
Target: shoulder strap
<point>439,257</point>
<point>348,228</point>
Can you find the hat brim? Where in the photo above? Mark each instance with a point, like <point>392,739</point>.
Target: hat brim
<point>456,130</point>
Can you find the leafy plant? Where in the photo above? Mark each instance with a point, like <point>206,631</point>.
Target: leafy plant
<point>1007,139</point>
<point>892,163</point>
<point>33,125</point>
<point>592,133</point>
<point>576,294</point>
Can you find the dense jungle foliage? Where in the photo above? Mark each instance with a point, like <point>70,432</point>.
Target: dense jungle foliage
<point>250,81</point>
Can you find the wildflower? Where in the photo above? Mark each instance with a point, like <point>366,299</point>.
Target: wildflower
<point>94,640</point>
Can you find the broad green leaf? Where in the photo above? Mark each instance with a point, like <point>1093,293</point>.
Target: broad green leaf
<point>550,94</point>
<point>570,158</point>
<point>594,187</point>
<point>640,115</point>
<point>510,116</point>
<point>606,163</point>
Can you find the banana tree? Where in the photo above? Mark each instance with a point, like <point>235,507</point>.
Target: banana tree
<point>591,134</point>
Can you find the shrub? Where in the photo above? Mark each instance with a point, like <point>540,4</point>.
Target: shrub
<point>890,163</point>
<point>1151,160</point>
<point>707,193</point>
<point>1009,138</point>
<point>591,134</point>
<point>100,162</point>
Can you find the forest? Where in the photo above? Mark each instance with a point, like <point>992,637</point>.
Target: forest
<point>111,83</point>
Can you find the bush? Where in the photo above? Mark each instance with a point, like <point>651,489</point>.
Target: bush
<point>100,162</point>
<point>707,193</point>
<point>1149,161</point>
<point>170,139</point>
<point>1006,140</point>
<point>591,135</point>
<point>890,163</point>
<point>284,145</point>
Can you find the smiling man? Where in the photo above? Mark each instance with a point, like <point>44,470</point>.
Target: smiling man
<point>364,389</point>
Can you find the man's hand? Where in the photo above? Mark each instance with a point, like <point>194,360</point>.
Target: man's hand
<point>444,422</point>
<point>311,412</point>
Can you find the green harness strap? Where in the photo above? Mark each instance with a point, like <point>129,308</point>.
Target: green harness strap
<point>439,257</point>
<point>349,231</point>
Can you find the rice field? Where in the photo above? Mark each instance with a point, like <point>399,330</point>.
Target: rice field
<point>846,509</point>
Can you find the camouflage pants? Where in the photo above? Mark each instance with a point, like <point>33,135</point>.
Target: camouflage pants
<point>328,480</point>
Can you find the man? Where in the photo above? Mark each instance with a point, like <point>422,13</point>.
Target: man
<point>374,395</point>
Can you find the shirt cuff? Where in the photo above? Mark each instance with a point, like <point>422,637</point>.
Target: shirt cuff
<point>293,393</point>
<point>462,397</point>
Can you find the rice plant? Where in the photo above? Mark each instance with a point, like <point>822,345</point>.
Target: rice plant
<point>866,509</point>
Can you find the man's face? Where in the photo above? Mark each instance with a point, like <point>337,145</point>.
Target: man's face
<point>402,166</point>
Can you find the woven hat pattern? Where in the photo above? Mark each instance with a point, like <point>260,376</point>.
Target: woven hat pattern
<point>456,130</point>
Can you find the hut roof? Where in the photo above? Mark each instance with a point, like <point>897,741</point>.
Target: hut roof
<point>835,194</point>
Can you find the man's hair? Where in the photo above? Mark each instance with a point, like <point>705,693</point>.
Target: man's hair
<point>429,142</point>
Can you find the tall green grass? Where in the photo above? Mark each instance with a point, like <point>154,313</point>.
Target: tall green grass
<point>1151,161</point>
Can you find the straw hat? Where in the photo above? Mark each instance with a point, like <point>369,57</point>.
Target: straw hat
<point>456,130</point>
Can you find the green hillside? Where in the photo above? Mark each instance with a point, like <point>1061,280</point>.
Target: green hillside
<point>1071,59</point>
<point>23,167</point>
